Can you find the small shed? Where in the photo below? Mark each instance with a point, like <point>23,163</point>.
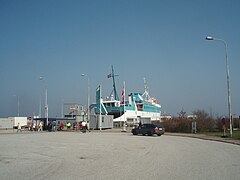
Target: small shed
<point>106,123</point>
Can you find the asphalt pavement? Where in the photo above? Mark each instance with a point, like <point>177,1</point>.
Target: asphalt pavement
<point>117,130</point>
<point>113,155</point>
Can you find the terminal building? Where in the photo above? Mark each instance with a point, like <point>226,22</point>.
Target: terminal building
<point>74,111</point>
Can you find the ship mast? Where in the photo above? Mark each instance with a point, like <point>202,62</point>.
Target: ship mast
<point>114,91</point>
<point>146,95</point>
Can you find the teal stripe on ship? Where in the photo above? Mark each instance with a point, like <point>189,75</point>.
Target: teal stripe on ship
<point>150,108</point>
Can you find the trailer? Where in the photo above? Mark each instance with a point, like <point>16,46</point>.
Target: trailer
<point>6,123</point>
<point>23,121</point>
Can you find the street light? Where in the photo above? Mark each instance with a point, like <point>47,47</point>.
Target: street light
<point>18,104</point>
<point>46,99</point>
<point>88,111</point>
<point>210,38</point>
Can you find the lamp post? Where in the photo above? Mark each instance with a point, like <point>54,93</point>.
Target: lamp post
<point>210,38</point>
<point>40,106</point>
<point>88,100</point>
<point>46,101</point>
<point>62,108</point>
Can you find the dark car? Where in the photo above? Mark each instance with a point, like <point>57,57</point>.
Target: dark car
<point>149,129</point>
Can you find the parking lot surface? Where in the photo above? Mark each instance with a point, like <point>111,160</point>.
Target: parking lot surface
<point>113,155</point>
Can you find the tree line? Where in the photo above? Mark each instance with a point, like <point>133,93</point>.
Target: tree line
<point>204,122</point>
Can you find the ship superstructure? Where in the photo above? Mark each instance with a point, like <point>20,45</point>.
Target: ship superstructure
<point>139,107</point>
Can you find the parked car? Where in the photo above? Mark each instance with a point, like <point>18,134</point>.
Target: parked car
<point>149,129</point>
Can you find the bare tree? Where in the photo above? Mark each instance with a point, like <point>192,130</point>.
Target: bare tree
<point>204,121</point>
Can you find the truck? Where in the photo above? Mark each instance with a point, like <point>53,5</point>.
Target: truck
<point>23,121</point>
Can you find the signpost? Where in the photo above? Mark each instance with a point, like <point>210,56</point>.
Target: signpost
<point>224,126</point>
<point>194,127</point>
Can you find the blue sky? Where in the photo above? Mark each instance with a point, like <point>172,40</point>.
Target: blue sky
<point>161,40</point>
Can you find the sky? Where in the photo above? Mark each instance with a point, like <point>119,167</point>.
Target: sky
<point>160,40</point>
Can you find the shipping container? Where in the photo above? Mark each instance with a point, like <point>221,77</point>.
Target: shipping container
<point>106,122</point>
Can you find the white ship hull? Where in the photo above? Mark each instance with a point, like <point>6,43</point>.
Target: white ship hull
<point>136,116</point>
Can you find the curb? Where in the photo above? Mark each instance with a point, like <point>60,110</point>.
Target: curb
<point>205,137</point>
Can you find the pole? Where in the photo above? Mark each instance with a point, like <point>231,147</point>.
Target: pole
<point>46,100</point>
<point>46,106</point>
<point>228,89</point>
<point>228,86</point>
<point>40,107</point>
<point>123,100</point>
<point>100,110</point>
<point>114,85</point>
<point>228,82</point>
<point>62,108</point>
<point>88,99</point>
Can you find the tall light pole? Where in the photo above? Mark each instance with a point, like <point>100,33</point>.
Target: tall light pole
<point>210,38</point>
<point>46,101</point>
<point>88,83</point>
<point>62,108</point>
<point>40,107</point>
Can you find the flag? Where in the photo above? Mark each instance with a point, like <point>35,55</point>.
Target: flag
<point>109,75</point>
<point>98,94</point>
<point>123,93</point>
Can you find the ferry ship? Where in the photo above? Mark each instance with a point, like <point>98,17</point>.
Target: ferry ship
<point>139,107</point>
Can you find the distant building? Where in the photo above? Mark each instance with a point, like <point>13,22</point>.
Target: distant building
<point>192,116</point>
<point>73,110</point>
<point>166,117</point>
